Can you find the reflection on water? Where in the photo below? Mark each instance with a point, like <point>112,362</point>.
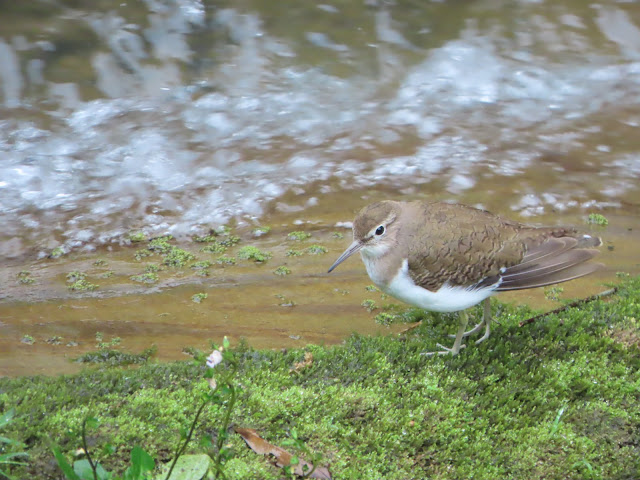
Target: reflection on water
<point>180,114</point>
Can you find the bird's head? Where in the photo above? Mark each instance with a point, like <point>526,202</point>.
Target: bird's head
<point>374,231</point>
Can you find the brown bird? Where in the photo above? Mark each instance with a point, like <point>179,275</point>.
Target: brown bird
<point>446,258</point>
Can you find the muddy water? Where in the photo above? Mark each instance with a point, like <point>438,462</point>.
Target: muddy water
<point>180,116</point>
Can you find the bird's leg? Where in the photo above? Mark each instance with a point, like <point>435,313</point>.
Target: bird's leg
<point>486,319</point>
<point>483,322</point>
<point>457,345</point>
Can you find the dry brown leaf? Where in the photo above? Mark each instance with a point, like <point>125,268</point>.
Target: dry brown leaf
<point>307,362</point>
<point>283,458</point>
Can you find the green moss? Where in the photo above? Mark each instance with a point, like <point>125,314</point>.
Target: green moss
<point>199,297</point>
<point>260,231</point>
<point>116,358</point>
<point>553,292</point>
<point>298,236</point>
<point>316,250</point>
<point>78,282</point>
<point>107,274</point>
<point>152,268</point>
<point>201,265</point>
<point>554,399</point>
<point>214,247</point>
<point>282,270</point>
<point>177,257</point>
<point>101,262</point>
<point>226,260</point>
<point>137,237</point>
<point>56,252</point>
<point>253,253</point>
<point>142,253</point>
<point>369,304</point>
<point>24,278</point>
<point>337,235</point>
<point>149,277</point>
<point>28,340</point>
<point>293,253</point>
<point>597,219</point>
<point>161,245</point>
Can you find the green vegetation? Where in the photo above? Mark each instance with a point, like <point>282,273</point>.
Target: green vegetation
<point>137,237</point>
<point>177,257</point>
<point>214,247</point>
<point>10,450</point>
<point>553,292</point>
<point>253,253</point>
<point>597,219</point>
<point>298,236</point>
<point>107,274</point>
<point>282,270</point>
<point>78,282</point>
<point>24,277</point>
<point>152,268</point>
<point>148,277</point>
<point>101,262</point>
<point>369,304</point>
<point>260,231</point>
<point>160,245</point>
<point>199,297</point>
<point>226,260</point>
<point>555,399</point>
<point>28,340</point>
<point>316,250</point>
<point>293,253</point>
<point>57,252</point>
<point>337,235</point>
<point>201,265</point>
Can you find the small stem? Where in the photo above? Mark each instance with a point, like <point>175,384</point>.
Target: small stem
<point>86,449</point>
<point>180,450</point>
<point>225,421</point>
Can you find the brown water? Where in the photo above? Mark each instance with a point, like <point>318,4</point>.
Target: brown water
<point>180,116</point>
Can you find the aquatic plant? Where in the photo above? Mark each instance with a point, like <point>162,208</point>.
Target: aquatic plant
<point>298,236</point>
<point>597,219</point>
<point>282,270</point>
<point>253,253</point>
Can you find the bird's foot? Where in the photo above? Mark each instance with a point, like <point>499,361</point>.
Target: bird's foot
<point>445,351</point>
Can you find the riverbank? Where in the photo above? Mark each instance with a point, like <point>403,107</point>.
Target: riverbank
<point>557,398</point>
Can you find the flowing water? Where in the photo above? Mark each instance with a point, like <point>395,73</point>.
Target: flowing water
<point>178,116</point>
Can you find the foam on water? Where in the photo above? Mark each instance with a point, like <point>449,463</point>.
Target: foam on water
<point>165,150</point>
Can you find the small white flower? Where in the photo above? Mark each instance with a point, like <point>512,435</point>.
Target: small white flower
<point>214,359</point>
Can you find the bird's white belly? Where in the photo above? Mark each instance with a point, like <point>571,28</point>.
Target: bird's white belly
<point>446,299</point>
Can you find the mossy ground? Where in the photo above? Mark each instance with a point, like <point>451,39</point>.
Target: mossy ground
<point>555,399</point>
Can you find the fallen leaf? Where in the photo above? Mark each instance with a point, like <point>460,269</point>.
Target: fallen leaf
<point>283,458</point>
<point>307,362</point>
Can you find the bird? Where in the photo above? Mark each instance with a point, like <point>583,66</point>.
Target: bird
<point>447,257</point>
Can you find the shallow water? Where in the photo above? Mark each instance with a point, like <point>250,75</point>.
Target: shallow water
<point>179,116</point>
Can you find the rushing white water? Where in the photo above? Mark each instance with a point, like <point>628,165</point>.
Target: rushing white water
<point>193,117</point>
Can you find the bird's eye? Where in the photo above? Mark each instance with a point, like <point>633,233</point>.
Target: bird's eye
<point>380,230</point>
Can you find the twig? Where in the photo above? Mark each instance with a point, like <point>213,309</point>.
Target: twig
<point>606,293</point>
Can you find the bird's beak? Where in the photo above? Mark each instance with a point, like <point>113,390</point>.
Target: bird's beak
<point>353,248</point>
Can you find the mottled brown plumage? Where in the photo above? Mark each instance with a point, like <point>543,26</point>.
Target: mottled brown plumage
<point>446,257</point>
<point>465,246</point>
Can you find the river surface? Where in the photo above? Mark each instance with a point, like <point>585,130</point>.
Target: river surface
<point>179,116</point>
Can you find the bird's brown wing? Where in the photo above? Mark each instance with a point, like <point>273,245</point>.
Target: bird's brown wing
<point>556,260</point>
<point>468,247</point>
